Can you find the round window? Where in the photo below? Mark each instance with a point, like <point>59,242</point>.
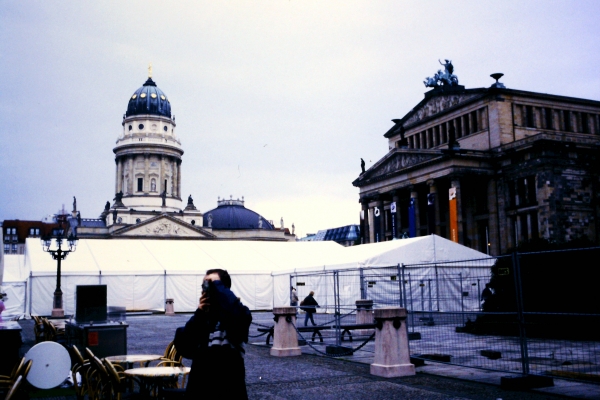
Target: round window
<point>165,128</point>
<point>143,95</point>
<point>137,221</point>
<point>141,126</point>
<point>153,95</point>
<point>163,97</point>
<point>134,96</point>
<point>193,222</point>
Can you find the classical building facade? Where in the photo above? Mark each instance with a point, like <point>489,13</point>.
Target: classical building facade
<point>502,166</point>
<point>148,199</point>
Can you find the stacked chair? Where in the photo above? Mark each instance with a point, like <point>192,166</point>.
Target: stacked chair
<point>173,389</point>
<point>10,384</point>
<point>51,333</point>
<point>38,329</point>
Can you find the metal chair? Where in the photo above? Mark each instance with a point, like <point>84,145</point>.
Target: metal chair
<point>14,388</point>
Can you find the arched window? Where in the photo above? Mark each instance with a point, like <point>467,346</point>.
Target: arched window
<point>153,185</point>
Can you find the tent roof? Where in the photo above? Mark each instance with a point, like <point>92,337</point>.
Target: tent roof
<point>152,256</point>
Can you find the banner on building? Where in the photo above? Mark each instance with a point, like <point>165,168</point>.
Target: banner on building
<point>431,212</point>
<point>393,211</point>
<point>377,223</point>
<point>453,211</point>
<point>412,223</point>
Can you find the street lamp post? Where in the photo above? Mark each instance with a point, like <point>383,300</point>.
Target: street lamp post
<point>53,244</point>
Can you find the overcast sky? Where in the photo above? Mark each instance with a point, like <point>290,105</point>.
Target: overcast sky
<point>276,101</point>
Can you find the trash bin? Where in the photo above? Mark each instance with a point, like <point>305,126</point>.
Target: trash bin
<point>169,308</point>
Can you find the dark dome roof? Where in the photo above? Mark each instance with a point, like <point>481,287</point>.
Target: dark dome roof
<point>149,99</point>
<point>231,214</point>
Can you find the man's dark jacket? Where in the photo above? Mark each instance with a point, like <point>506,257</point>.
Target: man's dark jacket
<point>310,304</point>
<point>214,341</point>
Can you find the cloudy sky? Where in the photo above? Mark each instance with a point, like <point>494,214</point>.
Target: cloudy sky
<point>276,101</point>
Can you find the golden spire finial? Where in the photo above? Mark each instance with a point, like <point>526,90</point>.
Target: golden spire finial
<point>150,70</point>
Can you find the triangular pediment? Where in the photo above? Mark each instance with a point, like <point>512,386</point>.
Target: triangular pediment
<point>164,226</point>
<point>437,104</point>
<point>395,162</point>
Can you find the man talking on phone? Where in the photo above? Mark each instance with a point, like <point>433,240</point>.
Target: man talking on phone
<point>214,339</point>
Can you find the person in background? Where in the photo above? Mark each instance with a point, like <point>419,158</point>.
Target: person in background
<point>309,304</point>
<point>2,306</point>
<point>214,339</point>
<point>293,297</point>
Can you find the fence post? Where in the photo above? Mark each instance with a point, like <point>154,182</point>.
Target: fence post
<point>336,296</point>
<point>392,358</point>
<point>400,285</point>
<point>363,295</point>
<point>285,339</point>
<point>520,315</point>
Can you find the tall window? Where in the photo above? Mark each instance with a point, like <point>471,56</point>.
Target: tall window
<point>140,185</point>
<point>7,249</point>
<point>549,121</point>
<point>567,120</point>
<point>153,185</point>
<point>529,117</point>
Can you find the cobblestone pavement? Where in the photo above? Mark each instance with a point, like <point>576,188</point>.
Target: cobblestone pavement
<point>315,377</point>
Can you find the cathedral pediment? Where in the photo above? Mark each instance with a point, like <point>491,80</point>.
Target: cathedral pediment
<point>164,226</point>
<point>437,104</point>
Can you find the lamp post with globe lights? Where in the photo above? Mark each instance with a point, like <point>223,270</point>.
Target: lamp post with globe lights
<point>59,247</point>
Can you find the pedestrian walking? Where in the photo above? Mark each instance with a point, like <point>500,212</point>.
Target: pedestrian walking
<point>309,304</point>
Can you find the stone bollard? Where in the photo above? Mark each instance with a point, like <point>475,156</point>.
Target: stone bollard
<point>169,307</point>
<point>285,338</point>
<point>364,315</point>
<point>392,358</point>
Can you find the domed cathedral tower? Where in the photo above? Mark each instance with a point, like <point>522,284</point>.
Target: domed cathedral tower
<point>148,154</point>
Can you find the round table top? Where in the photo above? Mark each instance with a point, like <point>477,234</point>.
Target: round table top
<point>51,365</point>
<point>133,358</point>
<point>157,372</point>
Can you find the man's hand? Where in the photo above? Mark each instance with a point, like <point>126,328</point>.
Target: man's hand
<point>204,302</point>
<point>205,299</point>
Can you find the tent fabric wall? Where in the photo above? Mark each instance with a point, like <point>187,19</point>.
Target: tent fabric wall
<point>142,273</point>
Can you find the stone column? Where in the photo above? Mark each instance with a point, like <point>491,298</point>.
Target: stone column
<point>161,175</point>
<point>146,173</point>
<point>118,180</point>
<point>178,165</point>
<point>364,223</point>
<point>392,358</point>
<point>285,338</point>
<point>175,177</point>
<point>493,222</point>
<point>130,182</point>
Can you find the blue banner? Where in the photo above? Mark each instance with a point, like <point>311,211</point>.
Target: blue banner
<point>412,223</point>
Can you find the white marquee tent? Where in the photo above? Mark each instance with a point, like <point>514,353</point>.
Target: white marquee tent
<point>141,274</point>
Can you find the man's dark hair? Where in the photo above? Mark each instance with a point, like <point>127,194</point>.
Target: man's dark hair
<point>223,276</point>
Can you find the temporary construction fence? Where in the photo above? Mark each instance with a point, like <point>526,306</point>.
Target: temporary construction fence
<point>538,317</point>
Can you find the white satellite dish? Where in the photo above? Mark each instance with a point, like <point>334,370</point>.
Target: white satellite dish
<point>50,367</point>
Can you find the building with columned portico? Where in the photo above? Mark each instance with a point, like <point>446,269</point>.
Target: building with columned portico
<point>490,168</point>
